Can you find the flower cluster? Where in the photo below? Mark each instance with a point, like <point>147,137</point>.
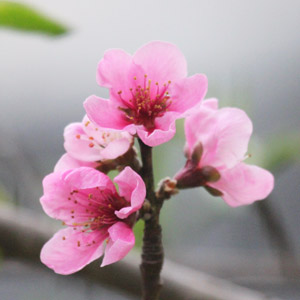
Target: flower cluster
<point>149,91</point>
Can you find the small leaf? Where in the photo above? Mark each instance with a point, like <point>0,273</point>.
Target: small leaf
<point>22,17</point>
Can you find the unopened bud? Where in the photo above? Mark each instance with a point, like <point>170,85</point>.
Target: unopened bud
<point>147,206</point>
<point>167,188</point>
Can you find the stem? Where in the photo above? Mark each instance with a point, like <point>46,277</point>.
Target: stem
<point>152,252</point>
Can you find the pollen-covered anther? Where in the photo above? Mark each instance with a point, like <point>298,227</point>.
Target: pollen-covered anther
<point>146,104</point>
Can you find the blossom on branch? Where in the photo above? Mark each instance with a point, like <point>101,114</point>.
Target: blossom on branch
<point>148,92</point>
<point>98,218</point>
<point>216,145</point>
<point>88,145</point>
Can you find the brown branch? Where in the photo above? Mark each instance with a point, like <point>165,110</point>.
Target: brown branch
<point>152,251</point>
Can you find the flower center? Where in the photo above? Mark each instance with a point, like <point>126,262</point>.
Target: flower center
<point>146,103</point>
<point>98,211</point>
<point>100,139</point>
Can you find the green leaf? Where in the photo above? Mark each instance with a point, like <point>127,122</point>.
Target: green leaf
<point>22,17</point>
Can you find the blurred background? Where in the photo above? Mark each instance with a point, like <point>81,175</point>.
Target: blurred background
<point>249,51</point>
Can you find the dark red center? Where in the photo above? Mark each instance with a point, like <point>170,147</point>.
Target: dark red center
<point>146,103</point>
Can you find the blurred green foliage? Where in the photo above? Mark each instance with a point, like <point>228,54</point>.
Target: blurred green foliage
<point>4,195</point>
<point>138,230</point>
<point>281,151</point>
<point>22,17</point>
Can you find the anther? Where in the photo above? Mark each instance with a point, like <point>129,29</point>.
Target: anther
<point>64,238</point>
<point>78,243</point>
<point>91,145</point>
<point>78,136</point>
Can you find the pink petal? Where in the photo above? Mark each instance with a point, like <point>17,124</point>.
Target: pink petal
<point>188,92</point>
<point>117,71</point>
<point>62,253</point>
<point>211,103</point>
<point>67,162</point>
<point>61,203</point>
<point>113,69</point>
<point>244,184</point>
<point>224,134</point>
<point>87,178</point>
<point>121,241</point>
<point>164,131</point>
<point>105,114</point>
<point>161,62</point>
<point>190,132</point>
<point>78,145</point>
<point>116,148</point>
<point>132,188</point>
<point>199,126</point>
<point>229,140</point>
<point>54,183</point>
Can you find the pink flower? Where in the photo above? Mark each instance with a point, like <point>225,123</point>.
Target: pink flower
<point>148,91</point>
<point>87,201</point>
<point>217,142</point>
<point>87,144</point>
